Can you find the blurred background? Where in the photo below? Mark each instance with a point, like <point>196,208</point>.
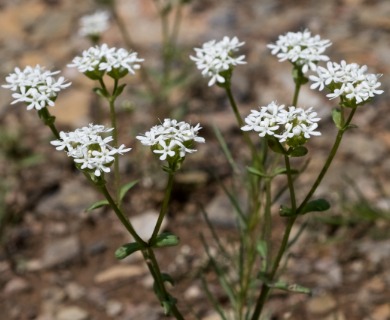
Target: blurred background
<point>56,259</point>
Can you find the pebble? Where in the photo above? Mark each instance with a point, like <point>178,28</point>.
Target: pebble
<point>114,308</point>
<point>74,291</point>
<point>144,223</point>
<point>16,285</point>
<point>72,313</point>
<point>221,213</point>
<point>119,272</point>
<point>381,312</point>
<point>61,251</point>
<point>321,304</point>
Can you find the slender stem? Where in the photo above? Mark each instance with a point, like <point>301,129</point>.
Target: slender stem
<point>296,93</point>
<point>164,207</point>
<point>114,125</point>
<point>131,45</point>
<point>265,287</point>
<point>240,121</point>
<point>290,183</point>
<point>154,269</point>
<point>127,224</point>
<point>328,161</point>
<point>49,120</point>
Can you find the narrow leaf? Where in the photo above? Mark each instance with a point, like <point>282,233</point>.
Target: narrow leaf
<point>315,205</point>
<point>126,188</point>
<point>337,118</point>
<point>97,205</point>
<point>297,151</point>
<point>275,146</point>
<point>285,211</point>
<point>257,172</point>
<point>166,239</point>
<point>127,249</point>
<point>296,288</point>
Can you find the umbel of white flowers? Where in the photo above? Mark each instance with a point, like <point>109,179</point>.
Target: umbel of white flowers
<point>293,126</point>
<point>95,24</point>
<point>301,49</point>
<point>35,86</point>
<point>349,81</point>
<point>89,149</point>
<point>217,58</point>
<point>172,140</point>
<point>98,60</point>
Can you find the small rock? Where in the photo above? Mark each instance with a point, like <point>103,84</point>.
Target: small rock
<point>72,313</point>
<point>321,304</point>
<point>16,285</point>
<point>119,272</point>
<point>221,213</point>
<point>61,251</point>
<point>142,311</point>
<point>114,308</point>
<point>192,292</point>
<point>144,223</point>
<point>74,291</point>
<point>376,284</point>
<point>381,312</point>
<point>54,295</point>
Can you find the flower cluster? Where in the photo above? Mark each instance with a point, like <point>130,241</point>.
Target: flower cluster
<point>98,60</point>
<point>35,86</point>
<point>302,49</point>
<point>350,82</point>
<point>293,125</point>
<point>91,152</point>
<point>216,58</point>
<point>172,140</point>
<point>94,24</point>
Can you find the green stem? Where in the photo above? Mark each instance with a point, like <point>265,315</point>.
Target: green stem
<point>164,207</point>
<point>127,224</point>
<point>162,292</point>
<point>49,121</point>
<point>328,161</point>
<point>240,121</point>
<point>131,46</point>
<point>111,100</point>
<point>265,289</point>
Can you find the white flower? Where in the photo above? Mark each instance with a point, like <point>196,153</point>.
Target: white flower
<point>293,125</point>
<point>350,82</point>
<point>172,138</point>
<point>89,149</point>
<point>100,59</point>
<point>35,86</point>
<point>216,57</point>
<point>94,24</point>
<point>301,49</point>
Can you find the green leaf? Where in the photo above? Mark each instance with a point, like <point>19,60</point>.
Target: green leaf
<point>256,172</point>
<point>100,92</point>
<point>166,239</point>
<point>167,278</point>
<point>285,211</point>
<point>275,146</point>
<point>299,151</point>
<point>127,249</point>
<point>97,205</point>
<point>296,288</point>
<point>125,188</point>
<point>337,118</point>
<point>278,171</point>
<point>119,90</point>
<point>315,205</point>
